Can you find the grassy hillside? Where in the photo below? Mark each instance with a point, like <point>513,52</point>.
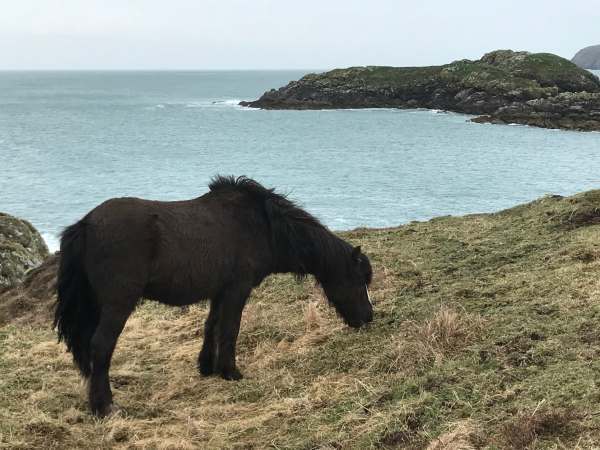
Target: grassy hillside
<point>486,336</point>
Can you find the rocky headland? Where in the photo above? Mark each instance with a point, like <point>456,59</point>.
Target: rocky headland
<point>504,86</point>
<point>588,58</point>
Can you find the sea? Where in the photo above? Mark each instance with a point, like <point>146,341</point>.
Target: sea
<point>70,140</point>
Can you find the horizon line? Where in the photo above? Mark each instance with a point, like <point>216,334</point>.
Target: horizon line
<point>167,70</point>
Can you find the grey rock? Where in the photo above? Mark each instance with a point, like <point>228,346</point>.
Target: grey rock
<point>588,58</point>
<point>21,249</point>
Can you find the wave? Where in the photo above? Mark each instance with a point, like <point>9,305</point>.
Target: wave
<point>203,104</point>
<point>52,241</point>
<point>228,103</point>
<point>224,103</point>
<point>232,102</point>
<point>155,107</point>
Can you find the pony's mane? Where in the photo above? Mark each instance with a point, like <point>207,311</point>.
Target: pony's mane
<point>279,202</point>
<point>304,245</point>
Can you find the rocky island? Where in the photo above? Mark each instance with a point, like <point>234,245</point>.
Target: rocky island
<point>588,58</point>
<point>538,89</point>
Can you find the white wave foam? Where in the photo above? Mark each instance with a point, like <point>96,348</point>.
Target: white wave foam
<point>228,103</point>
<point>51,241</point>
<point>154,107</point>
<point>232,102</point>
<point>220,103</point>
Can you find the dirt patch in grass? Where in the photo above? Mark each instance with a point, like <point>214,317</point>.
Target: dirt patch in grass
<point>527,427</point>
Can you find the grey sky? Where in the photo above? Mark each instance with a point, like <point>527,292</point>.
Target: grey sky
<point>273,34</point>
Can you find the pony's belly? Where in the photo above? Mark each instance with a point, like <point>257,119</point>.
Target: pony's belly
<point>175,297</point>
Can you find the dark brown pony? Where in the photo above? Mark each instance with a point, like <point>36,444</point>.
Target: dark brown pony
<point>218,246</point>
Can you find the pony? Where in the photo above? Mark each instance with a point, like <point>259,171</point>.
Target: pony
<point>216,247</point>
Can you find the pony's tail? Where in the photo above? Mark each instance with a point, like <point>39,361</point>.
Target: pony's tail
<point>76,315</point>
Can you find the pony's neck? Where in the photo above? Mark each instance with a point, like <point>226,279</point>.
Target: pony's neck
<point>310,249</point>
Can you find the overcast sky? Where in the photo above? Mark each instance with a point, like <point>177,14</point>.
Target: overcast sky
<point>280,34</point>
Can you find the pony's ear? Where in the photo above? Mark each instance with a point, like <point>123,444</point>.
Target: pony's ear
<point>356,251</point>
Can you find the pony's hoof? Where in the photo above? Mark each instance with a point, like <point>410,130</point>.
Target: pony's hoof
<point>232,375</point>
<point>205,368</point>
<point>107,410</point>
<point>205,371</point>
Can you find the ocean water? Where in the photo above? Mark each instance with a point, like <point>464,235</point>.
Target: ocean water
<point>69,140</point>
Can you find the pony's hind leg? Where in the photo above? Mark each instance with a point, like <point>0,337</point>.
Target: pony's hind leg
<point>206,358</point>
<point>112,321</point>
<point>231,303</point>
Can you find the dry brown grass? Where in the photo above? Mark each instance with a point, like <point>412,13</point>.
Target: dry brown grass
<point>444,333</point>
<point>449,328</point>
<point>31,302</point>
<point>461,436</point>
<point>477,320</point>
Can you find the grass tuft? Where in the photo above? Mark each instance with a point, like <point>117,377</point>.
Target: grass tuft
<point>449,328</point>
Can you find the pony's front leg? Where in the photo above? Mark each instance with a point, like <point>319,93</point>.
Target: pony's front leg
<point>231,303</point>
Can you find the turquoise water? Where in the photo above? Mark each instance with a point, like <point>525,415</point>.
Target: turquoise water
<point>69,140</point>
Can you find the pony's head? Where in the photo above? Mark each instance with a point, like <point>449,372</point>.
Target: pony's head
<point>348,290</point>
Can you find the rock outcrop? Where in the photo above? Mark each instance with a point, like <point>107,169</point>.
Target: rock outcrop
<point>579,111</point>
<point>497,86</point>
<point>21,249</point>
<point>588,58</point>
